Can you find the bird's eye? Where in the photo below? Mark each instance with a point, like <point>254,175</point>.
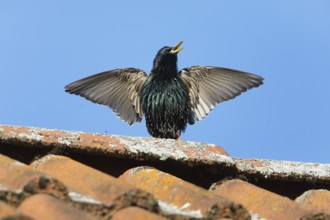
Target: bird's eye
<point>168,50</point>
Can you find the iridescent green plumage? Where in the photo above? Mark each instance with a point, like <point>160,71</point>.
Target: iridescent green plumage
<point>165,103</point>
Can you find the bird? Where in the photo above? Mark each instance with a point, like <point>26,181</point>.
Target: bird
<point>169,98</point>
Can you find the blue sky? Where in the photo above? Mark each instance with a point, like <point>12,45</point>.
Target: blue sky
<point>45,45</point>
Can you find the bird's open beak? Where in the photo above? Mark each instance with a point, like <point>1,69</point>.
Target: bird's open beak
<point>176,48</point>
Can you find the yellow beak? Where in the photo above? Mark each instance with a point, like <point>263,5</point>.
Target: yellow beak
<point>176,48</point>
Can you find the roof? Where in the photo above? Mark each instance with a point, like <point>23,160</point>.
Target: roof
<point>55,174</point>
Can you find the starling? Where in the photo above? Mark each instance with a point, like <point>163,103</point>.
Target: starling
<point>169,99</point>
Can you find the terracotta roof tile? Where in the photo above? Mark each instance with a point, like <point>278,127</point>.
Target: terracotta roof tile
<point>284,177</point>
<point>283,170</point>
<point>137,214</point>
<point>42,206</point>
<point>18,181</point>
<point>316,200</point>
<point>9,212</point>
<point>179,193</point>
<point>259,201</point>
<point>95,199</point>
<point>92,186</point>
<point>6,210</point>
<point>119,146</point>
<point>108,177</point>
<point>83,179</point>
<point>15,175</point>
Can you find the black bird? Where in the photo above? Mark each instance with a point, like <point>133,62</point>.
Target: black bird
<point>169,99</point>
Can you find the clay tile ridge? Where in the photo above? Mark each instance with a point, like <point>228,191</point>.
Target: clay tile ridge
<point>285,170</point>
<point>116,146</point>
<point>153,149</point>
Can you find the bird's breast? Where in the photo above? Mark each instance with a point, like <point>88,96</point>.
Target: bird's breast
<point>159,95</point>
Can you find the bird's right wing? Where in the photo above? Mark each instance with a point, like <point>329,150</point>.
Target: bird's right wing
<point>208,86</point>
<point>119,89</point>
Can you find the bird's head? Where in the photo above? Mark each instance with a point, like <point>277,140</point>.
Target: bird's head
<point>166,57</point>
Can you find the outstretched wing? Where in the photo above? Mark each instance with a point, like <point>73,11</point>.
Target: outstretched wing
<point>208,86</point>
<point>119,89</point>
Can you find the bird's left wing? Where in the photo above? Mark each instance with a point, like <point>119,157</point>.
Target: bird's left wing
<point>119,89</point>
<point>208,86</point>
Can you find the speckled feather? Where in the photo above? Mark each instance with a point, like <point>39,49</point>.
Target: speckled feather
<point>169,99</point>
<point>165,103</point>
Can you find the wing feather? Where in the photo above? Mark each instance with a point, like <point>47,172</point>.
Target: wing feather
<point>209,86</point>
<point>119,89</point>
